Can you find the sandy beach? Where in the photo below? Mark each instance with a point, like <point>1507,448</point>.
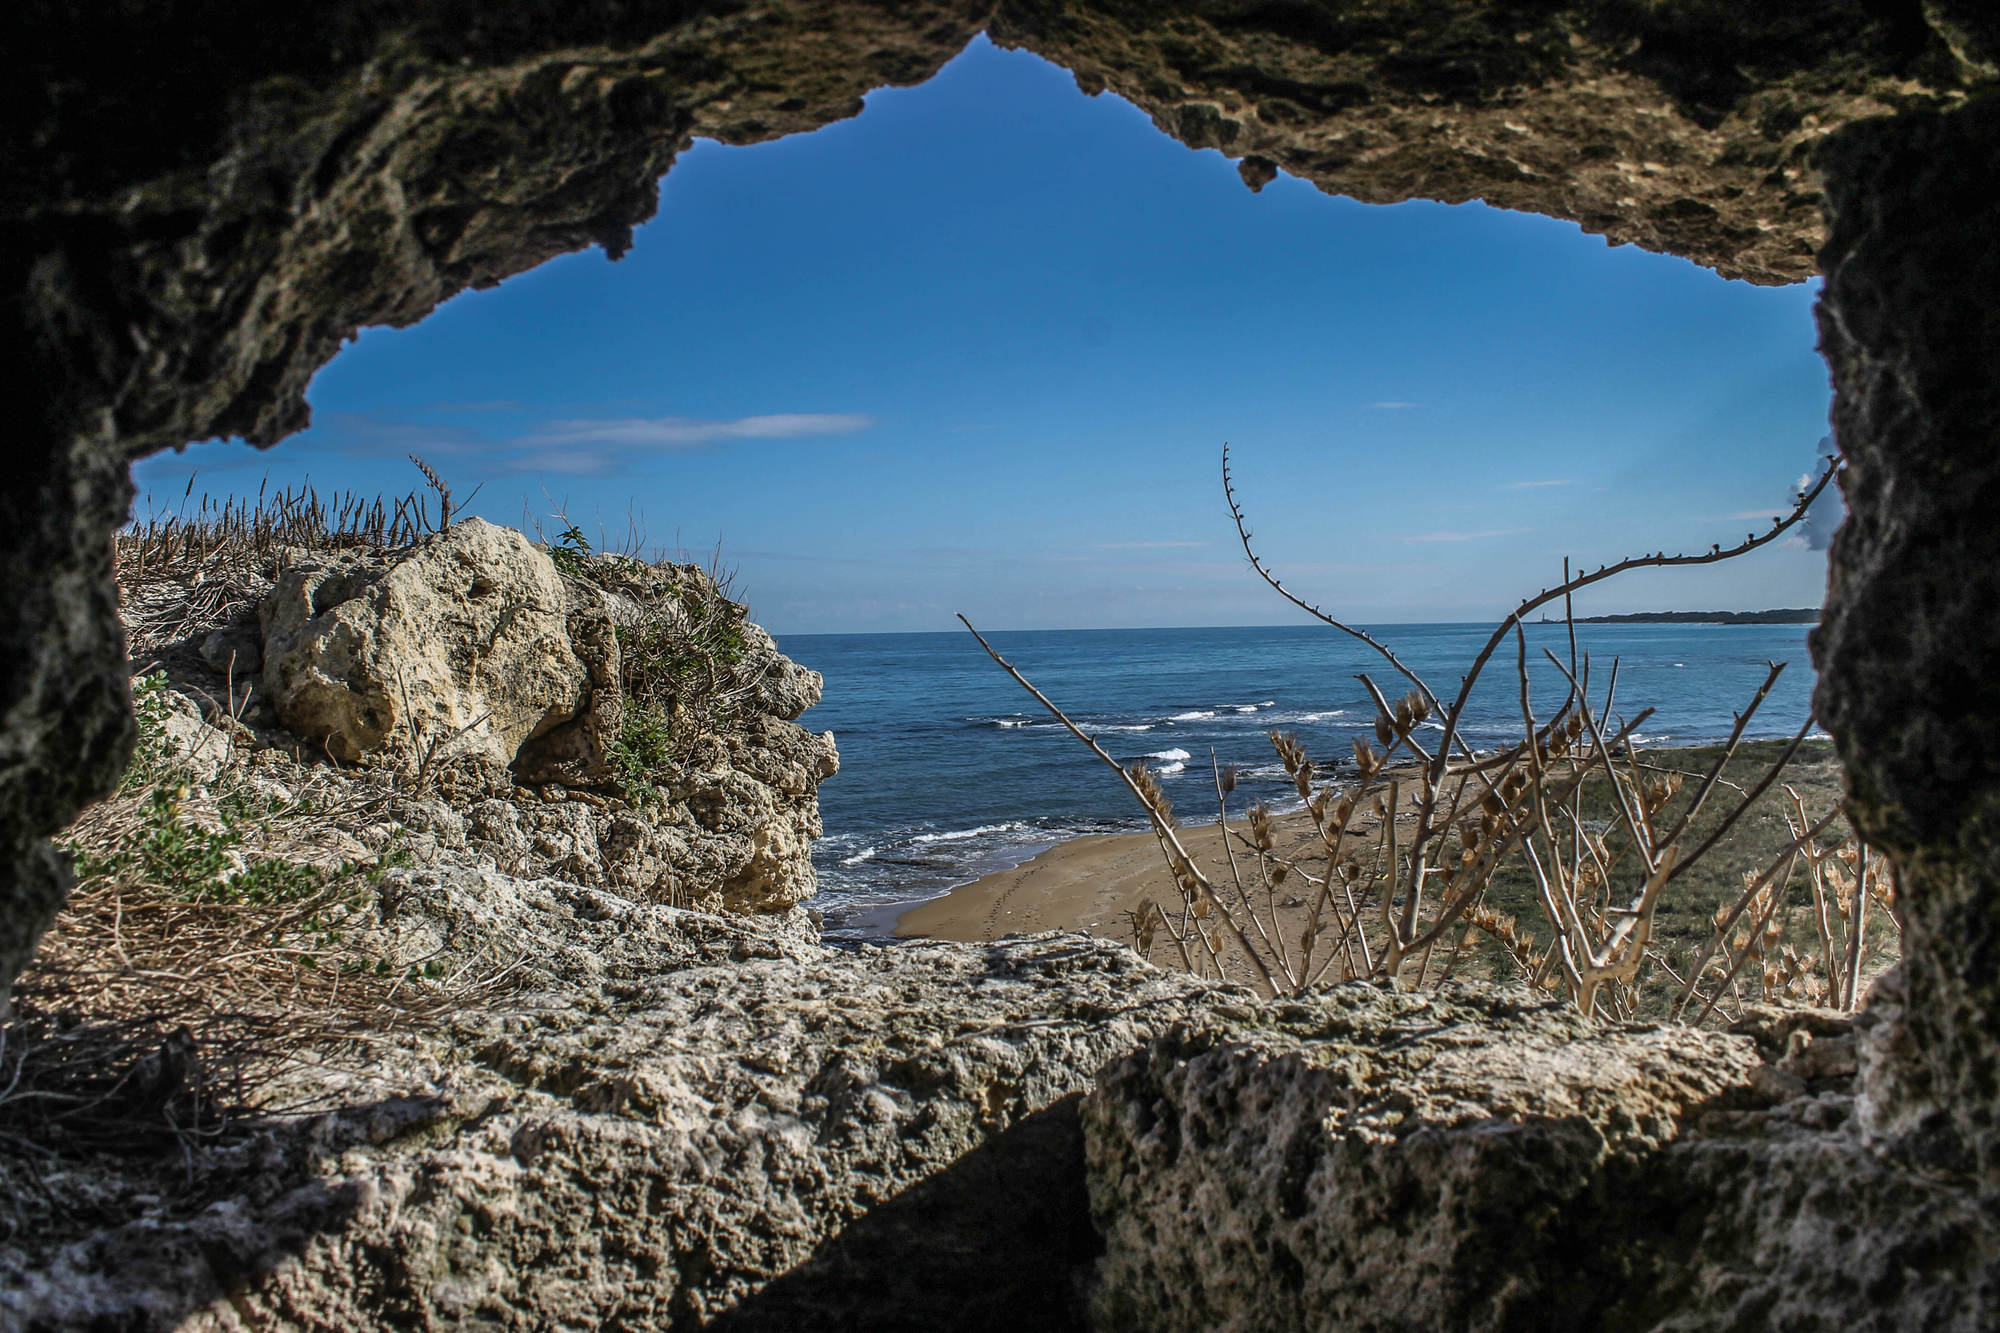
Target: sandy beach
<point>1094,883</point>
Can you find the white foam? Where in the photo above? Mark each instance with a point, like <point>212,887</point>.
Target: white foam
<point>860,857</point>
<point>1174,767</point>
<point>1142,726</point>
<point>1191,717</point>
<point>960,835</point>
<point>1175,753</point>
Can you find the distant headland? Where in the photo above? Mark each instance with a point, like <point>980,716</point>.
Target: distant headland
<point>1799,615</point>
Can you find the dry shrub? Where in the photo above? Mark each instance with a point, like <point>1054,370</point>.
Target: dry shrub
<point>682,648</point>
<point>1412,839</point>
<point>182,571</point>
<point>145,1019</point>
<point>211,949</point>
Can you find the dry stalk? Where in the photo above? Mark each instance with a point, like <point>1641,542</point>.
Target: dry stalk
<point>1444,827</point>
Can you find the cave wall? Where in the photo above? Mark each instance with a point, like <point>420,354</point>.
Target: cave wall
<point>1909,649</point>
<point>200,201</point>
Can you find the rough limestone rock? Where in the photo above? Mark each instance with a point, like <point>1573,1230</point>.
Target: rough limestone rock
<point>663,1114</point>
<point>463,641</point>
<point>1372,1160</point>
<point>1908,650</point>
<point>1683,128</point>
<point>181,255</point>
<point>1479,1160</point>
<point>465,636</point>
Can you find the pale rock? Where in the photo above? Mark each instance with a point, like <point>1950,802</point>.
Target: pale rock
<point>190,742</point>
<point>465,636</point>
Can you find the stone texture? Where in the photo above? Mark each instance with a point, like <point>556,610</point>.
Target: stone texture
<point>1909,648</point>
<point>183,253</point>
<point>1682,128</point>
<point>670,1111</point>
<point>451,624</point>
<point>1479,1160</point>
<point>393,655</point>
<point>1374,1160</point>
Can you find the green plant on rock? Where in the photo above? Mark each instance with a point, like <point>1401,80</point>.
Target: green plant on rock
<point>570,552</point>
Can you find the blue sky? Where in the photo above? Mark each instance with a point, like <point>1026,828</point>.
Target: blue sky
<point>978,349</point>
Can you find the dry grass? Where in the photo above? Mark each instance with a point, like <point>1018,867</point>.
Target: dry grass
<point>210,951</point>
<point>1420,863</point>
<point>190,569</point>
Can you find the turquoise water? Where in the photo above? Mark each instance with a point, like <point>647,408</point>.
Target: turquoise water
<point>950,771</point>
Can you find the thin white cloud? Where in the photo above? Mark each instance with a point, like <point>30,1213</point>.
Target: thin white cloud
<point>1530,485</point>
<point>686,432</point>
<point>1142,546</point>
<point>1461,536</point>
<point>1395,404</point>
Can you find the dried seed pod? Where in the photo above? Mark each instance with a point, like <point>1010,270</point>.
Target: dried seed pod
<point>1261,832</point>
<point>1279,872</point>
<point>1227,776</point>
<point>1384,731</point>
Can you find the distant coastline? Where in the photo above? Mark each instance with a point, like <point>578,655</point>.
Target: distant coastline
<point>1800,615</point>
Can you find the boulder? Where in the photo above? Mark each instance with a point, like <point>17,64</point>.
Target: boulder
<point>459,645</point>
<point>188,741</point>
<point>1483,1160</point>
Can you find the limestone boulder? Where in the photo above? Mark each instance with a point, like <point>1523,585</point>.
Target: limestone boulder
<point>1482,1160</point>
<point>1368,1159</point>
<point>461,641</point>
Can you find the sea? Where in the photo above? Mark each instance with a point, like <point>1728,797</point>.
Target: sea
<point>950,771</point>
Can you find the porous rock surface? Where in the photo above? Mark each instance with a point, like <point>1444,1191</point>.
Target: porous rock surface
<point>181,254</point>
<point>1683,128</point>
<point>668,1111</point>
<point>1909,648</point>
<point>479,688</point>
<point>1479,1160</point>
<point>463,640</point>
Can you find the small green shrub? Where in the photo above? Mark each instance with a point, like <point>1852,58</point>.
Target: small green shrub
<point>570,552</point>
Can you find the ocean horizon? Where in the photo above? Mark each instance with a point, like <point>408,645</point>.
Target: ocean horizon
<point>950,771</point>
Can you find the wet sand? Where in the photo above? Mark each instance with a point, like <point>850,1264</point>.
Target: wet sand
<point>1093,883</point>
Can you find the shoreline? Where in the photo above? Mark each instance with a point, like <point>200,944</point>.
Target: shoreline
<point>1087,884</point>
